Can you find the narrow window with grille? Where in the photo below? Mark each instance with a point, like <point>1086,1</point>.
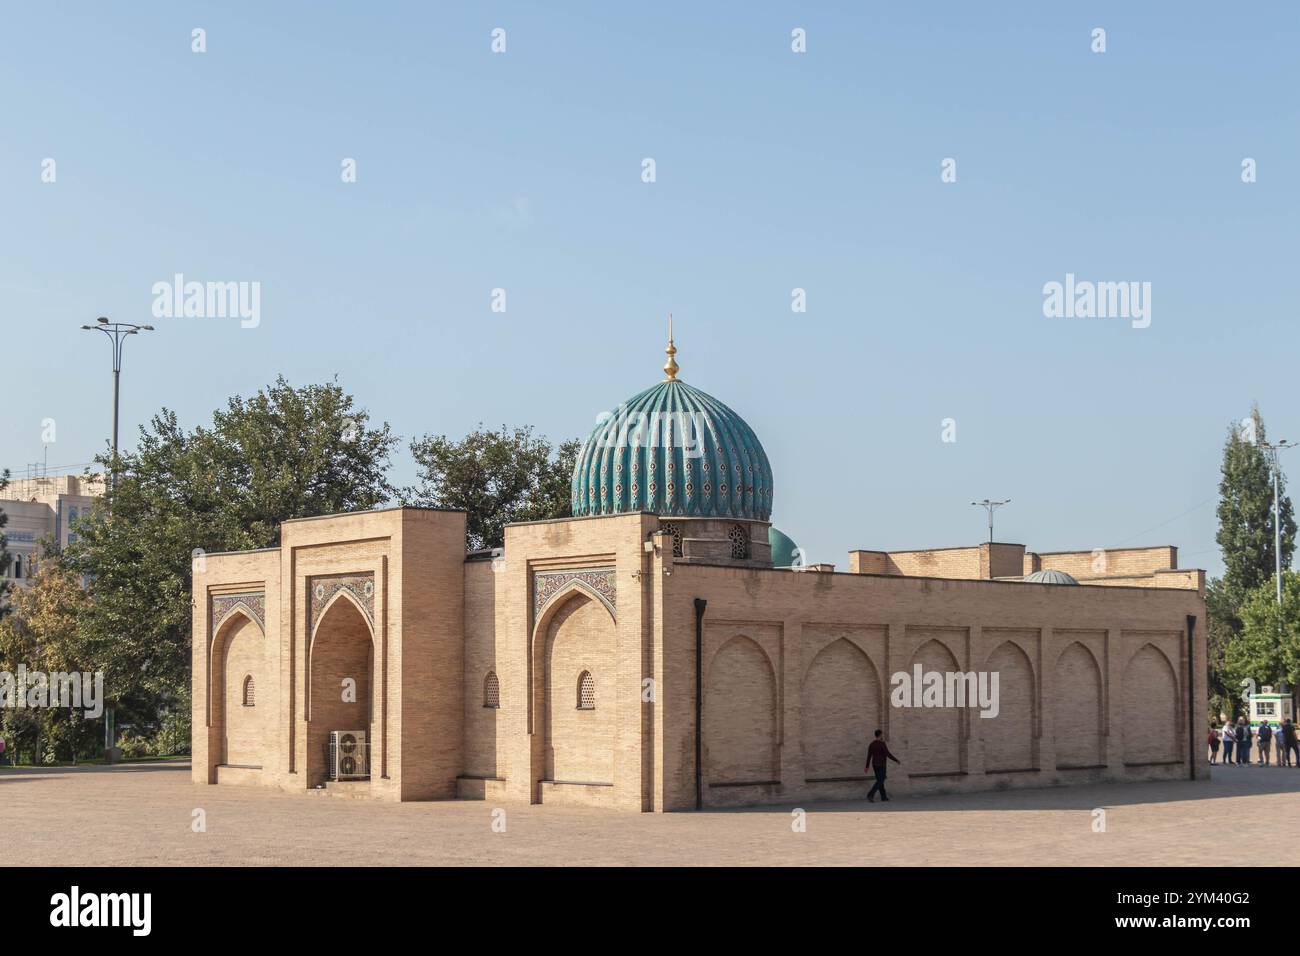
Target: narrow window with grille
<point>586,691</point>
<point>739,542</point>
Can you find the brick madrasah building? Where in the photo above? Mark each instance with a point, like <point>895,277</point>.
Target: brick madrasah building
<point>657,651</point>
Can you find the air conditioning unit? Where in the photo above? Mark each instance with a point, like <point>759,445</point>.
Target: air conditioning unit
<point>349,756</point>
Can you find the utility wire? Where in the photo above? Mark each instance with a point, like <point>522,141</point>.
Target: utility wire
<point>1170,521</point>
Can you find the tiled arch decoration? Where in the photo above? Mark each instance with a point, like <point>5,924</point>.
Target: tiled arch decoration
<point>601,581</point>
<point>321,590</point>
<point>253,603</point>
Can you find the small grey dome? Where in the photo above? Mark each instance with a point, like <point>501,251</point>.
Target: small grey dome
<point>1049,577</point>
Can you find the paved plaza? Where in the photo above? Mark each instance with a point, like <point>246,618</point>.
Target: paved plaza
<point>141,815</point>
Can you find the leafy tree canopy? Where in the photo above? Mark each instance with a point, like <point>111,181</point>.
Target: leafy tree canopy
<point>284,453</point>
<point>1266,651</point>
<point>497,477</point>
<point>1246,537</point>
<point>1246,524</point>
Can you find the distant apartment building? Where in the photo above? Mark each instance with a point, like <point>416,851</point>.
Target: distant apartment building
<point>41,509</point>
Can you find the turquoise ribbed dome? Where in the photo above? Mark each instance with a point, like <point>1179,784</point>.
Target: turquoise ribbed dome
<point>783,548</point>
<point>637,459</point>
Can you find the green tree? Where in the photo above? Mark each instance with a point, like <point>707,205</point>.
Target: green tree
<point>1221,628</point>
<point>1246,537</point>
<point>284,453</point>
<point>1266,650</point>
<point>42,633</point>
<point>1246,523</point>
<point>497,477</point>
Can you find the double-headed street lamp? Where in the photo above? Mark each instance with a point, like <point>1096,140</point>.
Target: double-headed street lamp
<point>991,506</point>
<point>117,333</point>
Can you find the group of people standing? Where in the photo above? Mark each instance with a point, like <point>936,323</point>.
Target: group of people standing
<point>1241,737</point>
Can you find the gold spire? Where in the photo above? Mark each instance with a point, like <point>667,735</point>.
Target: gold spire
<point>670,368</point>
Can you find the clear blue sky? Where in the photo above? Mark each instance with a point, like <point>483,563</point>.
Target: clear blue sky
<point>775,171</point>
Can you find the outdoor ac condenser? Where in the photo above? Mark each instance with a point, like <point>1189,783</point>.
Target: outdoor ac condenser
<point>348,758</point>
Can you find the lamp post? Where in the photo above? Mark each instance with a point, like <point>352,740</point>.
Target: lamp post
<point>1272,448</point>
<point>117,333</point>
<point>991,506</point>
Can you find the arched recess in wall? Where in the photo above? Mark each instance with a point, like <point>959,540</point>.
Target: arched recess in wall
<point>237,652</point>
<point>841,711</point>
<point>1077,709</point>
<point>740,722</point>
<point>577,634</point>
<point>1151,712</point>
<point>342,648</point>
<point>1009,737</point>
<point>934,744</point>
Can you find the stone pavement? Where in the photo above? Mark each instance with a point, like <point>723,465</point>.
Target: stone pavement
<point>140,815</point>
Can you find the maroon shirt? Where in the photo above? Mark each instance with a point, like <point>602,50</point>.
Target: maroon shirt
<point>878,752</point>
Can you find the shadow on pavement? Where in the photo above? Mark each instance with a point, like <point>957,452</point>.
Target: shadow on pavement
<point>1224,783</point>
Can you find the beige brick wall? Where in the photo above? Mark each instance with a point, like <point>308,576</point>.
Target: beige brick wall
<point>740,713</point>
<point>1153,708</point>
<point>429,661</point>
<point>522,642</point>
<point>978,562</point>
<point>933,738</point>
<point>486,749</point>
<point>1079,713</point>
<point>1062,655</point>
<point>241,658</point>
<point>1009,739</point>
<point>215,575</point>
<point>1110,561</point>
<point>414,649</point>
<point>341,651</point>
<point>796,670</point>
<point>937,563</point>
<point>842,697</point>
<point>582,637</point>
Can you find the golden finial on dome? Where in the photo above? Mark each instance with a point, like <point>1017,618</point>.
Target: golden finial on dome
<point>670,369</point>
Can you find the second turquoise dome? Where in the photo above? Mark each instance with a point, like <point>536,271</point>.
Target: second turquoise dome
<point>673,450</point>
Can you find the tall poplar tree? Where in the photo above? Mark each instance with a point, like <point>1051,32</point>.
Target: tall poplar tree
<point>1246,537</point>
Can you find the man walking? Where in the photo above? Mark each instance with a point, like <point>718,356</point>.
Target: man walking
<point>877,754</point>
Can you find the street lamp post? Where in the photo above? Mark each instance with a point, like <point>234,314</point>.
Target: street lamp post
<point>117,333</point>
<point>1273,448</point>
<point>991,506</point>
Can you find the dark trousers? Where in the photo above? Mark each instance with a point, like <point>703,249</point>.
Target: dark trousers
<point>880,783</point>
<point>1243,752</point>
